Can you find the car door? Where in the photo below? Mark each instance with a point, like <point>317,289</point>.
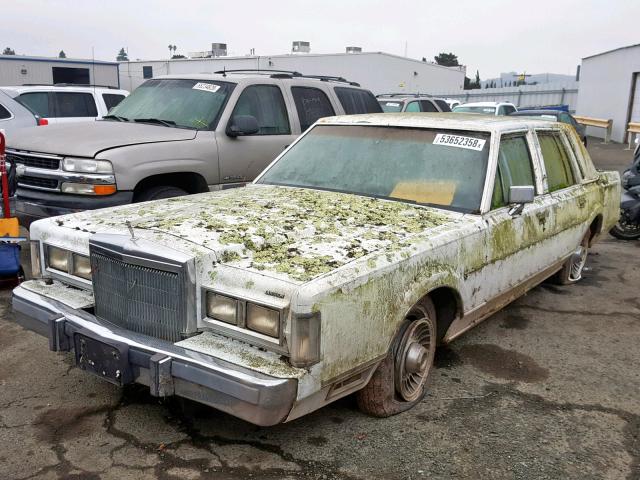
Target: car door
<point>514,243</point>
<point>71,107</point>
<point>242,158</point>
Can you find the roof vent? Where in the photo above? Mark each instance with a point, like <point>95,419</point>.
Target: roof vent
<point>300,47</point>
<point>354,49</point>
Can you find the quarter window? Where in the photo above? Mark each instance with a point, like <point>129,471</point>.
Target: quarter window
<point>112,99</point>
<point>427,106</point>
<point>514,169</point>
<point>266,104</point>
<point>556,161</point>
<point>357,101</point>
<point>311,104</point>
<point>413,107</point>
<point>4,113</point>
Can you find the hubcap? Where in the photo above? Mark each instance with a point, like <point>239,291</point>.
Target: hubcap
<point>414,355</point>
<point>578,260</point>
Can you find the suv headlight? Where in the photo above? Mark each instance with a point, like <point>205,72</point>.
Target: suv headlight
<point>85,165</point>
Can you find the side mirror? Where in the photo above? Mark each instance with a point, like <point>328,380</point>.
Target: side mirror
<point>519,196</point>
<point>242,125</point>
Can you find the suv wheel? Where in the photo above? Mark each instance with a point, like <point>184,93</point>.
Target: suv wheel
<point>159,192</point>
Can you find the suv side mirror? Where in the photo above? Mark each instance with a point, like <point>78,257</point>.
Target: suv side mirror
<point>243,125</point>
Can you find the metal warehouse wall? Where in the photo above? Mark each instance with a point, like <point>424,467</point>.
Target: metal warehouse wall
<point>39,71</point>
<point>380,72</point>
<point>521,97</point>
<point>606,87</point>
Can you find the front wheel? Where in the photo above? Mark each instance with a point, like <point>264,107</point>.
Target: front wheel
<point>625,229</point>
<point>399,381</point>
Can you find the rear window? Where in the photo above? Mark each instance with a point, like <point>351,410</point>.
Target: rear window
<point>74,104</point>
<point>356,101</point>
<point>4,113</point>
<point>112,99</point>
<point>311,104</point>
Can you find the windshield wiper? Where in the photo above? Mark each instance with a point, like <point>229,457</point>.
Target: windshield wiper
<point>166,123</point>
<point>117,117</point>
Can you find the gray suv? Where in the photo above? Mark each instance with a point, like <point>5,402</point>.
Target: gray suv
<point>175,135</point>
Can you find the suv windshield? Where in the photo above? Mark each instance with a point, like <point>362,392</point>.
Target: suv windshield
<point>485,110</point>
<point>175,102</point>
<point>435,167</point>
<point>391,105</point>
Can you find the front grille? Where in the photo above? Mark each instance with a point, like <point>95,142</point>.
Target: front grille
<point>30,181</point>
<point>38,162</point>
<point>139,298</point>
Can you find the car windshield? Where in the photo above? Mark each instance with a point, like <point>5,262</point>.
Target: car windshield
<point>175,102</point>
<point>434,167</point>
<point>475,109</point>
<point>390,105</point>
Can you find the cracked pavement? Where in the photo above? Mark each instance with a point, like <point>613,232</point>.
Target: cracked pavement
<point>548,388</point>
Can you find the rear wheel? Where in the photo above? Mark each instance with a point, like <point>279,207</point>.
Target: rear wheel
<point>159,192</point>
<point>572,269</point>
<point>399,381</point>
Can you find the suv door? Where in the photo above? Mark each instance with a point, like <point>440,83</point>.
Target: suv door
<point>311,104</point>
<point>242,158</point>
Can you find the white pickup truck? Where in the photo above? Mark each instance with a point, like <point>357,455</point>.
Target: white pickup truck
<point>367,242</point>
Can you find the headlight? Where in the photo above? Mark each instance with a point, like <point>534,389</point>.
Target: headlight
<point>263,320</point>
<point>81,266</point>
<point>222,308</point>
<point>85,165</point>
<point>58,259</point>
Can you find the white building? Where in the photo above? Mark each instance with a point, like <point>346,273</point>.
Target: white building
<point>610,88</point>
<point>23,70</point>
<point>380,72</point>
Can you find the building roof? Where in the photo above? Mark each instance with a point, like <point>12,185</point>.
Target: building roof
<point>611,51</point>
<point>448,121</point>
<point>25,58</point>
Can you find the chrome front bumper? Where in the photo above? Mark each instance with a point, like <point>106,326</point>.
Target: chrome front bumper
<point>165,368</point>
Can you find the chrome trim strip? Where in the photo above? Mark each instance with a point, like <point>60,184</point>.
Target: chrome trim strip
<point>49,156</point>
<point>64,176</point>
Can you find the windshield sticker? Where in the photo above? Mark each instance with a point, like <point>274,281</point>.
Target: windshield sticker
<point>392,104</point>
<point>459,141</point>
<point>206,87</point>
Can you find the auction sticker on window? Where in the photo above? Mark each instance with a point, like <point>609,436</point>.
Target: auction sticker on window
<point>459,141</point>
<point>206,87</point>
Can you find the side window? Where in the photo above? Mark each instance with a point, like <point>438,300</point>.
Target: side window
<point>265,102</point>
<point>147,72</point>
<point>37,102</point>
<point>75,104</point>
<point>112,99</point>
<point>556,161</point>
<point>565,118</point>
<point>444,106</point>
<point>514,168</point>
<point>311,104</point>
<point>508,109</point>
<point>428,106</point>
<point>501,110</point>
<point>4,113</point>
<point>413,107</point>
<point>356,101</point>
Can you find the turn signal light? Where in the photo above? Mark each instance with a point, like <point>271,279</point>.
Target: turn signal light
<point>104,189</point>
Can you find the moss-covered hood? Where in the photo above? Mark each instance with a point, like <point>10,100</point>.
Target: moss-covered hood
<point>287,232</point>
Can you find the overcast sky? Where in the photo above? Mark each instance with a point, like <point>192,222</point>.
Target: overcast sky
<point>492,36</point>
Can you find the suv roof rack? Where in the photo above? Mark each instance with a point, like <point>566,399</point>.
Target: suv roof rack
<point>403,94</point>
<point>111,87</point>
<point>287,74</point>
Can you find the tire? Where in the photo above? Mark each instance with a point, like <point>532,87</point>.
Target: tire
<point>399,381</point>
<point>159,192</point>
<point>624,230</point>
<point>572,269</point>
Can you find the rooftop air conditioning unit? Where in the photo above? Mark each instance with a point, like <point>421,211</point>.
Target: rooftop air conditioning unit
<point>354,49</point>
<point>300,47</point>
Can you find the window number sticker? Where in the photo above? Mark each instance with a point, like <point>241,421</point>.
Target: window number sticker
<point>459,141</point>
<point>206,87</point>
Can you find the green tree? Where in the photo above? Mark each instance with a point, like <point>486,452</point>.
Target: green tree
<point>477,79</point>
<point>8,51</point>
<point>122,56</point>
<point>62,54</point>
<point>447,59</point>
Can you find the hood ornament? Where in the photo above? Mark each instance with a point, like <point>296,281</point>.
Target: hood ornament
<point>128,224</point>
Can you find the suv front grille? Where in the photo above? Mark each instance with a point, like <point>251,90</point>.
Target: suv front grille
<point>34,161</point>
<point>38,182</point>
<point>139,298</point>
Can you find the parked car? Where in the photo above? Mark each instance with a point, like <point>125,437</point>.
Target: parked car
<point>67,103</point>
<point>486,108</point>
<point>452,102</point>
<point>14,116</point>
<point>555,116</point>
<point>175,135</point>
<point>364,244</point>
<point>411,102</point>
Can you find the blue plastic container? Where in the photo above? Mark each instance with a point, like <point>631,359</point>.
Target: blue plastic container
<point>9,259</point>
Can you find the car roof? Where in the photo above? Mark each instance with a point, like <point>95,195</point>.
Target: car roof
<point>484,104</point>
<point>18,89</point>
<point>450,121</point>
<point>234,77</point>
